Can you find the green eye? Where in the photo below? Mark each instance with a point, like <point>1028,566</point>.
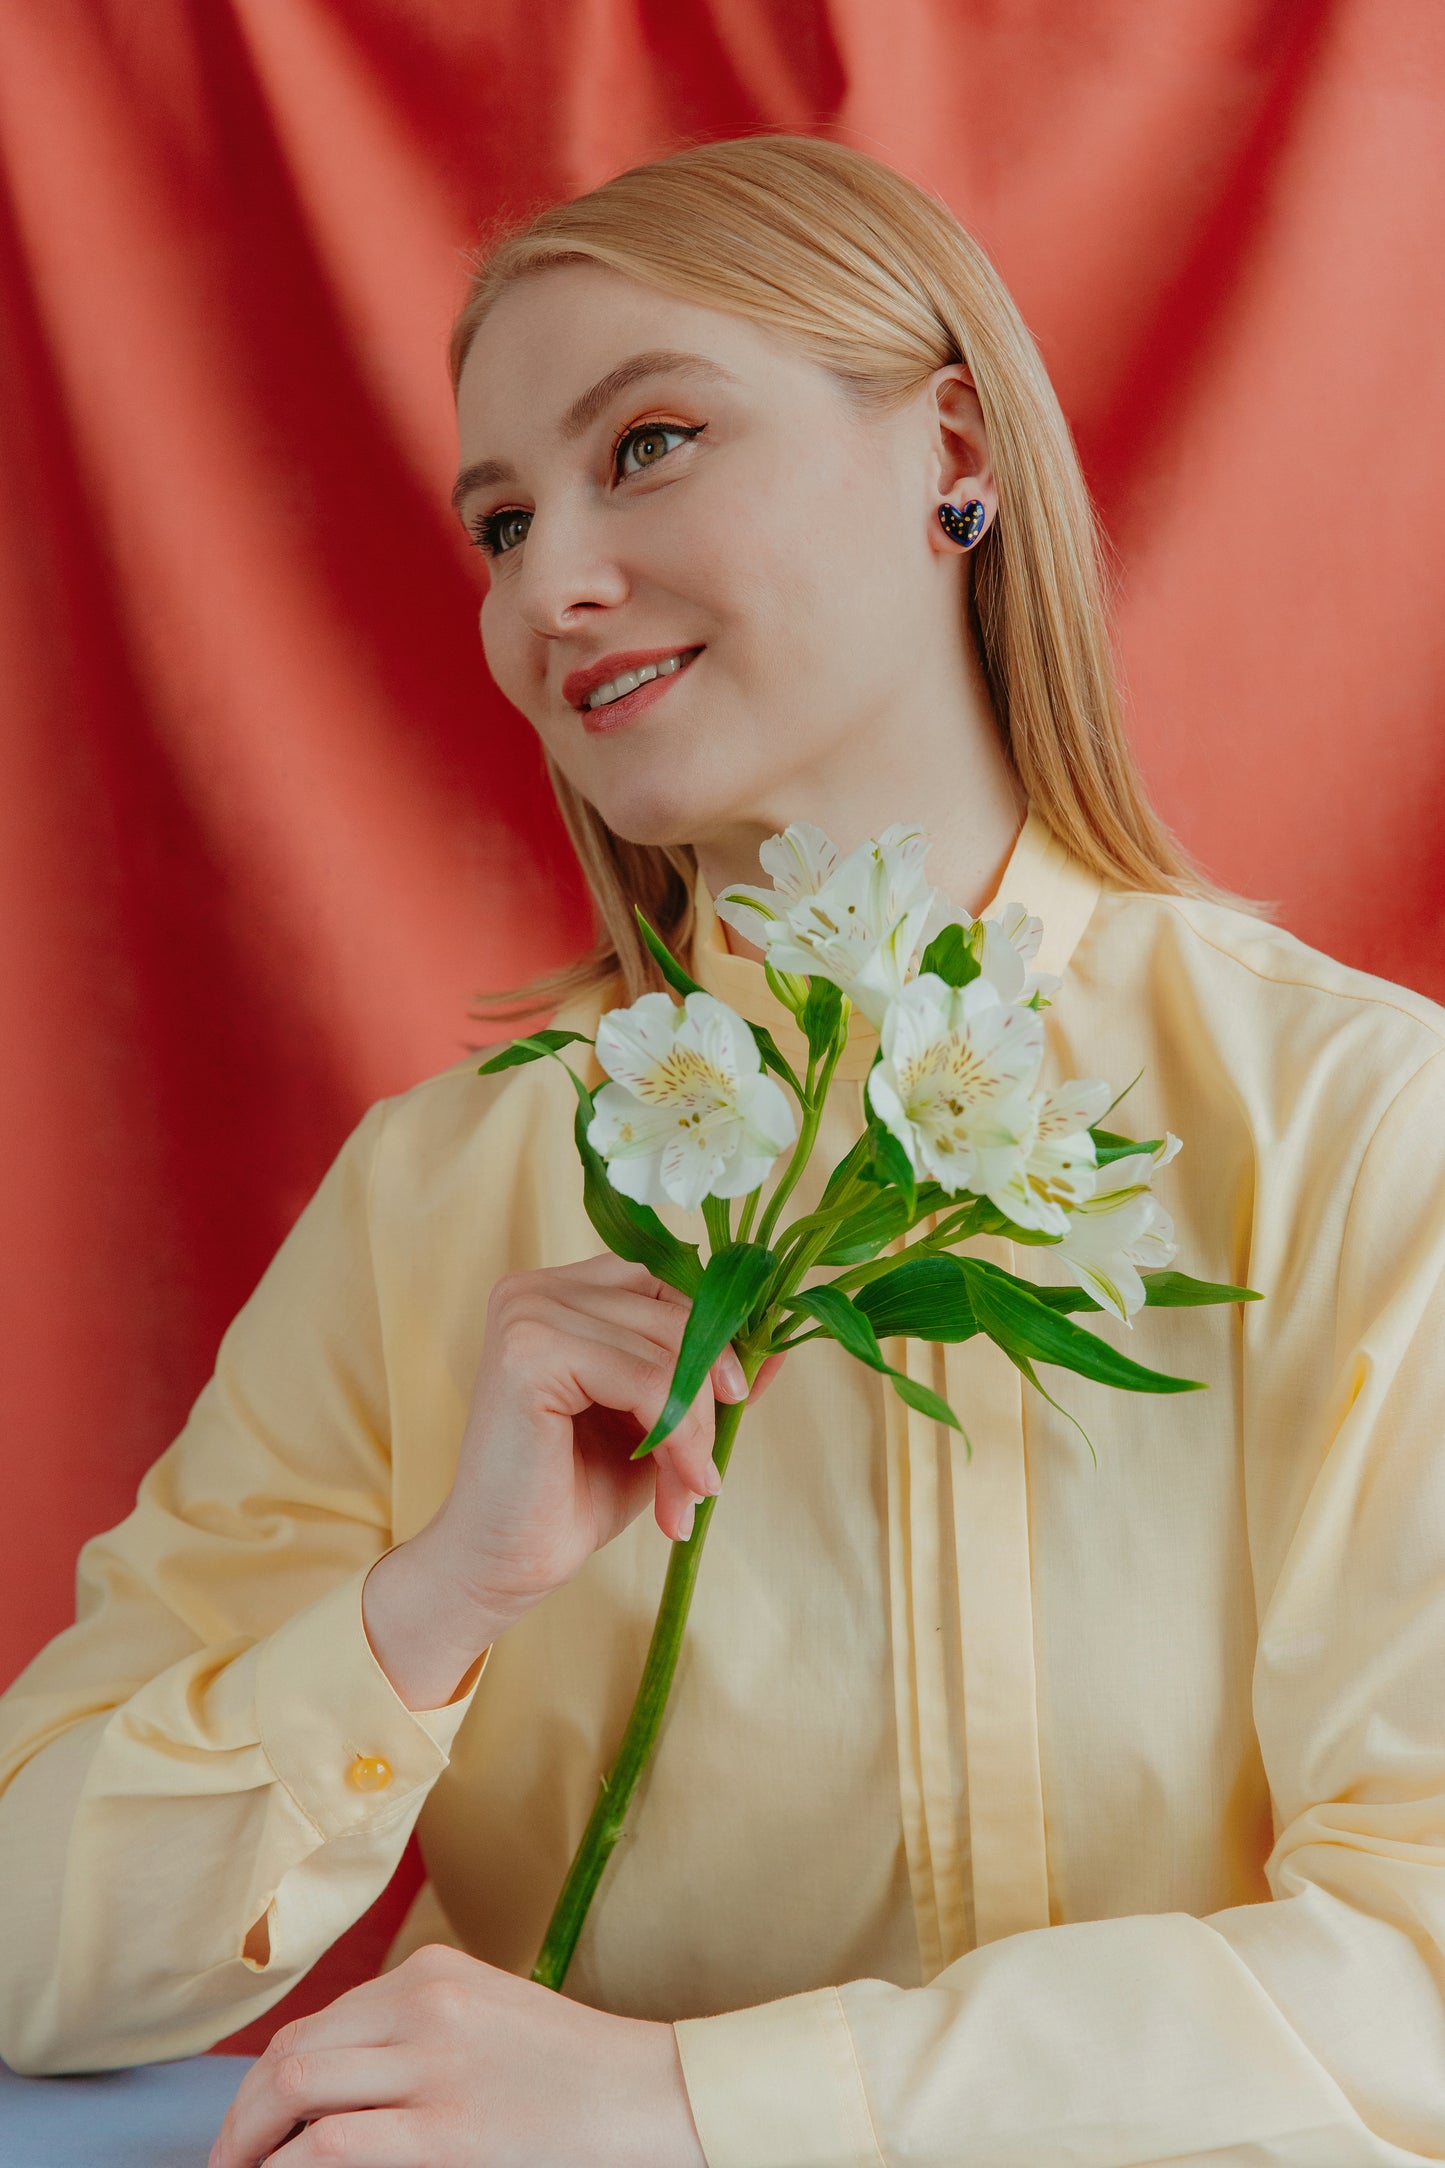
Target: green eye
<point>649,441</point>
<point>499,532</point>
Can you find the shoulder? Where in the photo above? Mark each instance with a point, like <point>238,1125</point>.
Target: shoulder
<point>456,1122</point>
<point>1266,1003</point>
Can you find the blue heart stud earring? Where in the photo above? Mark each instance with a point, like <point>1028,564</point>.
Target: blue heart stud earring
<point>963,527</point>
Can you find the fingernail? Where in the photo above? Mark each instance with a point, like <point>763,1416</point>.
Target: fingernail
<point>687,1521</point>
<point>734,1376</point>
<point>712,1480</point>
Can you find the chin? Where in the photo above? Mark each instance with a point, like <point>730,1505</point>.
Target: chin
<point>664,817</point>
<point>662,805</point>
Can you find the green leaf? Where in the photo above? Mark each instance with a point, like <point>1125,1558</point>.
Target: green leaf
<point>845,1322</point>
<point>849,1165</point>
<point>1119,1147</point>
<point>1175,1290</point>
<point>666,962</point>
<point>950,955</point>
<point>926,1299</point>
<point>861,1234</point>
<point>889,1165</point>
<point>1022,1325</point>
<point>532,1048</point>
<point>1022,1363</point>
<point>822,1014</point>
<point>1061,1298</point>
<point>1162,1290</point>
<point>774,1058</point>
<point>988,1220</point>
<point>629,1229</point>
<point>725,1296</point>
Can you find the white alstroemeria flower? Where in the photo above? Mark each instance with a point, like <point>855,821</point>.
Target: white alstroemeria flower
<point>858,922</point>
<point>955,1080</point>
<point>1119,1228</point>
<point>1003,949</point>
<point>1058,1171</point>
<point>691,1113</point>
<point>1010,944</point>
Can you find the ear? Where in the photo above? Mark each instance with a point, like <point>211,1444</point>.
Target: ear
<point>959,456</point>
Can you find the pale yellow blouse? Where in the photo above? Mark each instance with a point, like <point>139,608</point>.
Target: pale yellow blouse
<point>1009,1813</point>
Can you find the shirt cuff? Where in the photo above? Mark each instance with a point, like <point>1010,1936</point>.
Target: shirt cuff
<point>778,2086</point>
<point>324,1704</point>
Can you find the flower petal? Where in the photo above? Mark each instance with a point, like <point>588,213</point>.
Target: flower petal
<point>800,860</point>
<point>633,1042</point>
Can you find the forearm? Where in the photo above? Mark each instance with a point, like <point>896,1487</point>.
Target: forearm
<point>167,1865</point>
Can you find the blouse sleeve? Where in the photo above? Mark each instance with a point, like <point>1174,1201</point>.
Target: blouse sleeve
<point>1305,2030</point>
<point>174,1767</point>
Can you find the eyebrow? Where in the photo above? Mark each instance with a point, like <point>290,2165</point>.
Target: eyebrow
<point>657,361</point>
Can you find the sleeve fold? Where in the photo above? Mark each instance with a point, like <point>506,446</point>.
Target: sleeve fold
<point>174,1766</point>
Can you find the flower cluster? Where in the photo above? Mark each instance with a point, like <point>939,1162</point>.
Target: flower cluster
<point>690,1112</point>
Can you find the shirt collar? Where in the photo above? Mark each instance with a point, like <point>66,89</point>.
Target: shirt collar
<point>1041,874</point>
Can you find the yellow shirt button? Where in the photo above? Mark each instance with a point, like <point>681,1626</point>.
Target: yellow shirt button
<point>369,1773</point>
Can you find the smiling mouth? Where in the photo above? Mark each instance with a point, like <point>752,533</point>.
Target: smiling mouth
<point>627,681</point>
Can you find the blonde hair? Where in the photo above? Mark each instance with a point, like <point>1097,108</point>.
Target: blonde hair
<point>875,280</point>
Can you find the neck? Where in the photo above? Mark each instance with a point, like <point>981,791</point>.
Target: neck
<point>936,764</point>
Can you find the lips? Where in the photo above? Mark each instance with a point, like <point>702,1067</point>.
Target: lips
<point>579,683</point>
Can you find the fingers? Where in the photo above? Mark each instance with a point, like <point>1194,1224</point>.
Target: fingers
<point>368,2138</point>
<point>609,1289</point>
<point>608,1310</point>
<point>291,2085</point>
<point>677,1498</point>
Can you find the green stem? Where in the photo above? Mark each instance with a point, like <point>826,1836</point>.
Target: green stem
<point>802,1150</point>
<point>717,1215</point>
<point>926,1246</point>
<point>750,1206</point>
<point>604,1826</point>
<point>780,1347</point>
<point>801,1261</point>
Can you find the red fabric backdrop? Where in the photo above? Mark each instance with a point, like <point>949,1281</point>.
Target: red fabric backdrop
<point>266,825</point>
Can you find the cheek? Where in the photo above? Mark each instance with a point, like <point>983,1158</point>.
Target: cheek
<point>505,647</point>
<point>813,575</point>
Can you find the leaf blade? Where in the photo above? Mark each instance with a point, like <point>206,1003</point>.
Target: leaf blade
<point>533,1047</point>
<point>844,1322</point>
<point>726,1294</point>
<point>1021,1325</point>
<point>925,1298</point>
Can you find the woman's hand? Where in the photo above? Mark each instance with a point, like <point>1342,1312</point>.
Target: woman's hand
<point>450,2063</point>
<point>575,1368</point>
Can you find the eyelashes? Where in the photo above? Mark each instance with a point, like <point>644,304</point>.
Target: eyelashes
<point>497,533</point>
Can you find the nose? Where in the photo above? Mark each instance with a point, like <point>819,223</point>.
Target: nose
<point>566,571</point>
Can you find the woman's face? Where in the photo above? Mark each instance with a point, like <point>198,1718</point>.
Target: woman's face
<point>651,479</point>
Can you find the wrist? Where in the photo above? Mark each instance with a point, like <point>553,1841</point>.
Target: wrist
<point>425,1636</point>
<point>670,2139</point>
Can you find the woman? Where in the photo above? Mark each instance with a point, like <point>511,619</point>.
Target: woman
<point>1009,1811</point>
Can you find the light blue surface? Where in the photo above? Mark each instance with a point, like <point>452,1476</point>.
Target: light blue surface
<point>162,2115</point>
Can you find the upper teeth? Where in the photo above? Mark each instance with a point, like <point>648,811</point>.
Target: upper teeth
<point>631,679</point>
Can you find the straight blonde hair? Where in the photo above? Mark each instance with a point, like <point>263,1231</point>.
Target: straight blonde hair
<point>876,281</point>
